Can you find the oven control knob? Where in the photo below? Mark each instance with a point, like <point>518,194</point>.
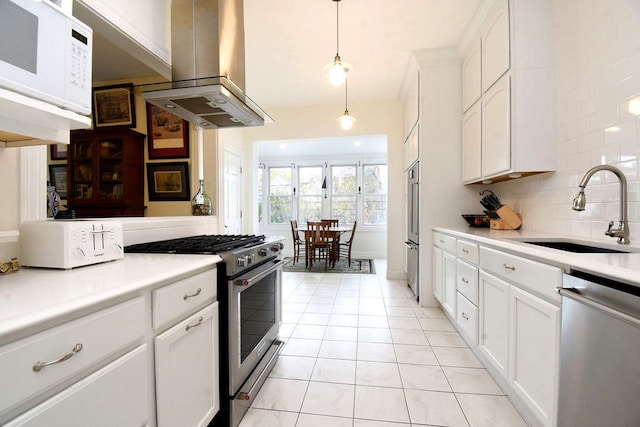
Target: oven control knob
<point>250,258</point>
<point>276,247</point>
<point>262,252</point>
<point>242,261</point>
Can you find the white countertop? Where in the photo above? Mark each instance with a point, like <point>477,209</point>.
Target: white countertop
<point>618,266</point>
<point>33,296</point>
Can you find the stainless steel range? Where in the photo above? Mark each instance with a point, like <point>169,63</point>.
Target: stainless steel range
<point>249,292</point>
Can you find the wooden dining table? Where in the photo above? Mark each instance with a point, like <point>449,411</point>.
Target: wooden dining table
<point>334,233</point>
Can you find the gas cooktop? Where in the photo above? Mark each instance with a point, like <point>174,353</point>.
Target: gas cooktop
<point>204,244</point>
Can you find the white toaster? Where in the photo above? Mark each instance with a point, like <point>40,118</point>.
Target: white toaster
<point>69,243</point>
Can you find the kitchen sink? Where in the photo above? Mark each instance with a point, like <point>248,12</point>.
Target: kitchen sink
<point>575,247</point>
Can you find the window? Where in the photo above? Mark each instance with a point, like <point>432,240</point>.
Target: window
<point>310,193</point>
<point>374,194</point>
<point>280,191</point>
<point>343,193</point>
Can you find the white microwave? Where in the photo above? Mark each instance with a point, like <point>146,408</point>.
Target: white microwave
<point>45,54</point>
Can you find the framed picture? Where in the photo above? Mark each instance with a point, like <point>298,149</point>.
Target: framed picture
<point>168,134</point>
<point>58,178</point>
<point>168,181</point>
<point>59,151</point>
<point>114,106</point>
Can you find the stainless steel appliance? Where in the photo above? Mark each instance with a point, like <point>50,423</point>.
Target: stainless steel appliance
<point>413,229</point>
<point>599,348</point>
<point>69,243</point>
<point>249,292</point>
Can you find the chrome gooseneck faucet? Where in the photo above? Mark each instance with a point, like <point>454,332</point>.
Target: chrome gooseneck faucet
<point>622,232</point>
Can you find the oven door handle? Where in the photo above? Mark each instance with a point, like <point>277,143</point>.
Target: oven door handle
<point>252,277</point>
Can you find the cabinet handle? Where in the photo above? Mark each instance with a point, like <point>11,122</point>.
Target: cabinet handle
<point>465,251</point>
<point>442,241</point>
<point>464,280</point>
<point>37,367</point>
<point>196,325</point>
<point>508,267</point>
<point>187,296</point>
<point>465,316</point>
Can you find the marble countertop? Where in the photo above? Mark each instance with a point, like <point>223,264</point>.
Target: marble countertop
<point>34,296</point>
<point>623,267</point>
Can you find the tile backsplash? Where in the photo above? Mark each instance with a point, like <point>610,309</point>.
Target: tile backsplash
<point>597,73</point>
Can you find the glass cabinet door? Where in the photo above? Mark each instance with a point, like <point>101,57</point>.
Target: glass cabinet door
<point>82,170</point>
<point>111,170</point>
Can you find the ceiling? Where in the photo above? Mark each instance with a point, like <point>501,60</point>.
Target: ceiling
<point>344,147</point>
<point>287,43</point>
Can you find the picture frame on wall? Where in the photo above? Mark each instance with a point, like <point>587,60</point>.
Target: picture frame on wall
<point>58,151</point>
<point>113,106</point>
<point>168,134</point>
<point>168,181</point>
<point>58,178</point>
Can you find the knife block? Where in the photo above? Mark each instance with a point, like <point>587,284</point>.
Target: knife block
<point>509,220</point>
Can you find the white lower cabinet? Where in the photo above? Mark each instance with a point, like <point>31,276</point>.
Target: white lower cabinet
<point>493,339</point>
<point>533,361</point>
<point>449,283</point>
<point>437,275</point>
<point>467,317</point>
<point>187,371</point>
<point>116,395</point>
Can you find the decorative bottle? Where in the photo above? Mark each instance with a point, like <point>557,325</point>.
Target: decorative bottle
<point>53,201</point>
<point>201,203</point>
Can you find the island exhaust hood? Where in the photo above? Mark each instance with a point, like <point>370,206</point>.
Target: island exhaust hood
<point>208,67</point>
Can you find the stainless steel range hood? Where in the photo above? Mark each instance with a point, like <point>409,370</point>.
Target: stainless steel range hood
<point>208,75</point>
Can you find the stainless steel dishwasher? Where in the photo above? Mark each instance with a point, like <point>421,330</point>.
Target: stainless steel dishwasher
<point>599,353</point>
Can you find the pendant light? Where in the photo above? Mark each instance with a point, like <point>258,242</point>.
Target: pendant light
<point>346,120</point>
<point>337,70</point>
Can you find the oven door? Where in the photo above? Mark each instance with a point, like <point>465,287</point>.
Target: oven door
<point>254,320</point>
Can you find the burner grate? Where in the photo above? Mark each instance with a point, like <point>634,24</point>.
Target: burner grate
<point>204,244</point>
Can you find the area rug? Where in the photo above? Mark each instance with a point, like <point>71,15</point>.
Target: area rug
<point>360,266</point>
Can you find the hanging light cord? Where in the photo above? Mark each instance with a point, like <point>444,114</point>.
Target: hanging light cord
<point>346,94</point>
<point>337,28</point>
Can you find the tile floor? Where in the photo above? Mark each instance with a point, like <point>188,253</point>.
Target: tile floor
<point>360,352</point>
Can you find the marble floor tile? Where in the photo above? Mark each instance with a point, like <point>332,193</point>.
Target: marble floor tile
<point>400,312</point>
<point>264,418</point>
<point>370,423</point>
<point>281,395</point>
<point>340,308</point>
<point>415,354</point>
<point>434,408</point>
<point>293,367</point>
<point>404,323</point>
<point>314,318</point>
<point>381,374</point>
<point>374,335</point>
<point>396,302</point>
<point>490,411</point>
<point>373,322</point>
<point>291,316</point>
<point>423,377</point>
<point>334,371</point>
<point>445,339</point>
<point>346,350</point>
<point>409,336</point>
<point>433,312</point>
<point>461,357</point>
<point>329,399</point>
<point>319,308</point>
<point>471,380</point>
<point>309,420</point>
<point>301,347</point>
<point>381,403</point>
<point>338,319</point>
<point>315,332</point>
<point>376,352</point>
<point>286,329</point>
<point>341,333</point>
<point>370,310</point>
<point>429,324</point>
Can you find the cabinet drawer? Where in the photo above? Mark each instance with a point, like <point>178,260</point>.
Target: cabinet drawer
<point>445,242</point>
<point>177,300</point>
<point>116,395</point>
<point>467,251</point>
<point>537,277</point>
<point>467,280</point>
<point>467,318</point>
<point>100,335</point>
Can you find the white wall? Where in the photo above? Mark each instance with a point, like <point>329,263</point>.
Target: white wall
<point>597,71</point>
<point>383,117</point>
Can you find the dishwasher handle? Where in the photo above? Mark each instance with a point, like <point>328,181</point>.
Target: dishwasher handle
<point>574,294</point>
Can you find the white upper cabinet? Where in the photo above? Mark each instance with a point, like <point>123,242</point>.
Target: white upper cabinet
<point>141,28</point>
<point>471,72</point>
<point>495,43</point>
<point>512,134</point>
<point>411,104</point>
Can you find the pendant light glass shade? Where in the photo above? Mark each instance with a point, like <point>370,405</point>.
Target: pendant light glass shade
<point>346,120</point>
<point>337,70</point>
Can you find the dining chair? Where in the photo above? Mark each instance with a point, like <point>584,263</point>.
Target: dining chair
<point>332,222</point>
<point>299,245</point>
<point>319,243</point>
<point>344,248</point>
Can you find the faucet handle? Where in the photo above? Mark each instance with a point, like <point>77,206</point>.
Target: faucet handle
<point>609,232</point>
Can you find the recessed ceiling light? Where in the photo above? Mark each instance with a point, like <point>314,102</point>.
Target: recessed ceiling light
<point>612,129</point>
<point>634,106</point>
